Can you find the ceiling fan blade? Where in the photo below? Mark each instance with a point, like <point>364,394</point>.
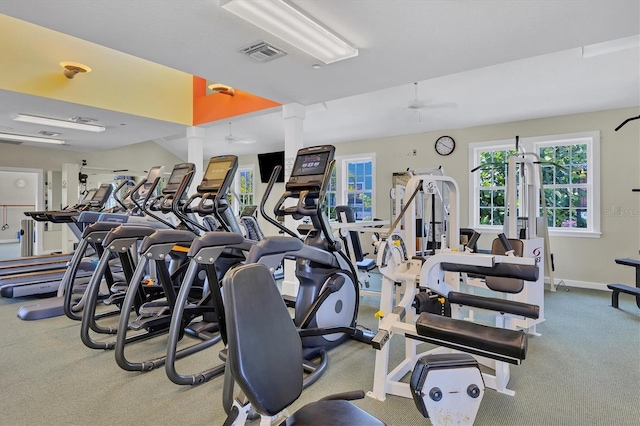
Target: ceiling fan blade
<point>440,105</point>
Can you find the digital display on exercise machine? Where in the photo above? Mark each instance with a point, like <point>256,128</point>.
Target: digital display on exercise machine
<point>217,170</point>
<point>154,173</point>
<point>310,164</point>
<point>101,193</point>
<point>177,176</point>
<point>90,194</point>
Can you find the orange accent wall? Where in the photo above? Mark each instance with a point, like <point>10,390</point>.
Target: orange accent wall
<point>219,106</point>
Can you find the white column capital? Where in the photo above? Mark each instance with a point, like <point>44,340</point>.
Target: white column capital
<point>195,132</point>
<point>293,110</point>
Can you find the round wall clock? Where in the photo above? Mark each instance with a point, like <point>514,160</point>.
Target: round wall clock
<point>445,145</point>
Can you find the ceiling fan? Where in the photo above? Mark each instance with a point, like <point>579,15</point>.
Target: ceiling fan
<point>230,138</point>
<point>416,106</point>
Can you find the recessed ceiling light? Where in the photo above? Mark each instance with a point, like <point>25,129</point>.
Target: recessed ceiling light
<point>316,66</point>
<point>34,119</point>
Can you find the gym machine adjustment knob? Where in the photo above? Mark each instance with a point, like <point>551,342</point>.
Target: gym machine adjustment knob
<point>473,391</point>
<point>435,394</point>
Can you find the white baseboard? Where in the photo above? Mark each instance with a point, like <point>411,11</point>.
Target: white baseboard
<point>580,284</point>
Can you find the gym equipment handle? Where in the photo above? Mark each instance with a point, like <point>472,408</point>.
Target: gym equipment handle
<point>506,244</point>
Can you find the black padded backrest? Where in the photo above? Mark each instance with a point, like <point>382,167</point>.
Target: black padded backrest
<point>347,213</point>
<point>253,229</point>
<point>506,285</point>
<point>264,348</point>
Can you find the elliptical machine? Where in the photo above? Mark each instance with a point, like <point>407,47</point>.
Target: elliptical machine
<point>326,306</point>
<point>328,297</point>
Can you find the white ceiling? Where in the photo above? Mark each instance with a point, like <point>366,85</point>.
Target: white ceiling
<point>499,61</point>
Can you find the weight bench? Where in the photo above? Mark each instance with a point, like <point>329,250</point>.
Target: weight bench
<point>622,288</point>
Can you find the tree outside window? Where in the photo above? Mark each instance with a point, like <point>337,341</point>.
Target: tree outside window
<point>566,188</point>
<point>360,188</point>
<point>570,179</point>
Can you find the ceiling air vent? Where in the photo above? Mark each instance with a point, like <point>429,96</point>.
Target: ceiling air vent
<point>83,120</point>
<point>263,51</point>
<point>47,133</point>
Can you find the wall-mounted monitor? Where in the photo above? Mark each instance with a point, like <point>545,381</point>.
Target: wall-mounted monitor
<point>267,162</point>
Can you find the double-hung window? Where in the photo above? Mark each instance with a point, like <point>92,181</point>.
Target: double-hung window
<point>244,186</point>
<point>570,178</point>
<point>352,183</point>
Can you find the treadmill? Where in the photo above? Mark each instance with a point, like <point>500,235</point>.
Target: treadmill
<point>21,263</point>
<point>45,278</point>
<point>52,307</point>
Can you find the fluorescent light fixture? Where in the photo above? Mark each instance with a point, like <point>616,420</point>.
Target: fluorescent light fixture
<point>612,46</point>
<point>26,138</point>
<point>291,25</point>
<point>34,119</point>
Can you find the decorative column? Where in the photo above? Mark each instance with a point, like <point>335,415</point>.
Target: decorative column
<point>195,155</point>
<point>293,115</point>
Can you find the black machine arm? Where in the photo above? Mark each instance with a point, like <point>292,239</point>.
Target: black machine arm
<point>626,121</point>
<point>115,193</point>
<point>267,192</point>
<point>143,206</point>
<point>182,214</point>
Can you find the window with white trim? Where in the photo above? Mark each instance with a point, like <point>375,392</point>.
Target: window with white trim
<point>244,186</point>
<point>331,195</point>
<point>570,178</point>
<point>352,183</point>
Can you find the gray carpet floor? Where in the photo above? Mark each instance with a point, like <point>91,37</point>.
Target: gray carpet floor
<point>583,370</point>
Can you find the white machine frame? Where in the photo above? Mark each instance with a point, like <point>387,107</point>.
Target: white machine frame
<point>398,318</point>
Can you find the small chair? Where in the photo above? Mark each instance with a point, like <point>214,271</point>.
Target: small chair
<point>265,356</point>
<point>364,265</point>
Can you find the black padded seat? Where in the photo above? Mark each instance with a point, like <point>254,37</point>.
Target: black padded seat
<point>215,239</point>
<point>504,284</point>
<point>264,347</point>
<point>335,413</point>
<point>495,304</point>
<point>98,227</point>
<point>274,245</point>
<point>497,343</point>
<point>265,356</point>
<point>167,236</point>
<point>507,270</point>
<point>127,231</point>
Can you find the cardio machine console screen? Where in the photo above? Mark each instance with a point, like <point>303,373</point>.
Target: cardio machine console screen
<point>101,195</point>
<point>154,173</point>
<point>218,170</point>
<point>178,174</point>
<point>309,167</point>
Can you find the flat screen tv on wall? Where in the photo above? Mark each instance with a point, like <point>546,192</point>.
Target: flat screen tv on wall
<point>267,162</point>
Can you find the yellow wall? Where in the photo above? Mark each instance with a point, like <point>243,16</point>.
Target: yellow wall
<point>30,57</point>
